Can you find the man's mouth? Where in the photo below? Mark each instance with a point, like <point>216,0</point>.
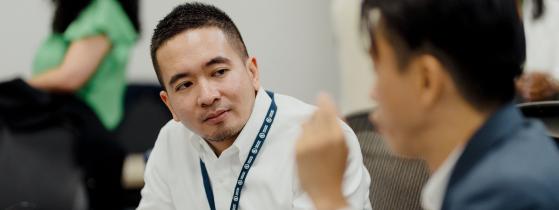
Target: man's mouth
<point>216,116</point>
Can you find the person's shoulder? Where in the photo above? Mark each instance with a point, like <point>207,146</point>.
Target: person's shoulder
<point>505,190</point>
<point>174,140</point>
<point>103,16</point>
<point>524,163</point>
<point>526,152</point>
<point>506,186</point>
<point>293,110</point>
<point>294,105</point>
<point>301,109</point>
<point>528,146</point>
<point>173,133</point>
<point>171,125</point>
<point>297,111</point>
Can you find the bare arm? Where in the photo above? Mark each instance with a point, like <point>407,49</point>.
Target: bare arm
<point>537,86</point>
<point>80,63</point>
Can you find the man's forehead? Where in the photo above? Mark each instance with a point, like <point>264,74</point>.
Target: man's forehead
<point>193,48</point>
<point>194,41</point>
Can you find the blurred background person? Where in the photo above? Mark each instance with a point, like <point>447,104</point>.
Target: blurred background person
<point>540,79</point>
<point>86,55</point>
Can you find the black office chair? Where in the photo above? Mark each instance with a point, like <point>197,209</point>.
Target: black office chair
<point>547,112</point>
<point>38,170</point>
<point>144,115</point>
<point>37,152</point>
<point>396,182</point>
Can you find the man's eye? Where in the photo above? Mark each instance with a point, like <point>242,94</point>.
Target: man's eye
<point>219,73</point>
<point>183,85</point>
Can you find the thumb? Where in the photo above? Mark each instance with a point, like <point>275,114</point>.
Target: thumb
<point>326,104</point>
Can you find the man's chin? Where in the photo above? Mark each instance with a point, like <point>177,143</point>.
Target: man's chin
<point>222,134</point>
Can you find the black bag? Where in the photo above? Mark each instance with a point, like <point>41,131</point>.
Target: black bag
<point>37,160</point>
<point>66,147</point>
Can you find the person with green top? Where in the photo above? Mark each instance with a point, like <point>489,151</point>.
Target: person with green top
<point>86,56</point>
<point>87,53</point>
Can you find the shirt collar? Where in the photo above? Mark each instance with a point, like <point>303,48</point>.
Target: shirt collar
<point>433,192</point>
<point>247,135</point>
<point>495,129</point>
<point>498,125</point>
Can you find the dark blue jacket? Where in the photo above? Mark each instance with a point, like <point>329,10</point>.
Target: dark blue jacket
<point>509,163</point>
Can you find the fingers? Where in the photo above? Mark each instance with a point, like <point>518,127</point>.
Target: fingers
<point>323,127</point>
<point>536,86</point>
<point>327,112</point>
<point>326,104</point>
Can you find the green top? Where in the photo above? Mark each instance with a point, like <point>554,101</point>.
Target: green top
<point>104,92</point>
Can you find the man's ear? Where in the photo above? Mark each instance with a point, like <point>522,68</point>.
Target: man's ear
<point>165,98</point>
<point>253,72</point>
<point>431,79</point>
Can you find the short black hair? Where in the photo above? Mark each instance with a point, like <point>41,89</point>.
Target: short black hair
<point>481,43</point>
<point>66,11</point>
<point>538,9</point>
<point>190,16</point>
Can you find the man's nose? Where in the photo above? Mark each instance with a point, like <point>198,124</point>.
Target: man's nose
<point>208,94</point>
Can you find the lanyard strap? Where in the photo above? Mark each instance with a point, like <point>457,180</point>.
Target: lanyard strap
<point>255,149</point>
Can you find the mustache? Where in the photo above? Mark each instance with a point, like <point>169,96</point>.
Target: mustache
<point>214,111</point>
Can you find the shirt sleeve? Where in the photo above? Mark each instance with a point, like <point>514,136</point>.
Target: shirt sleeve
<point>102,17</point>
<point>156,193</point>
<point>356,181</point>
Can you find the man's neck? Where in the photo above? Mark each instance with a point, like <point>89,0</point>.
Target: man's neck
<point>451,131</point>
<point>219,146</point>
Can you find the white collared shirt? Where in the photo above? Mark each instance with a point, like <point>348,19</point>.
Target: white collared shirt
<point>173,178</point>
<point>433,193</point>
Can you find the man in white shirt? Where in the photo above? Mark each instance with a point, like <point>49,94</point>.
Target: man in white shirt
<point>446,74</point>
<point>231,144</point>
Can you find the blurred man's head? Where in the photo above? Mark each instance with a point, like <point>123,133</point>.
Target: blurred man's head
<point>202,63</point>
<point>433,56</point>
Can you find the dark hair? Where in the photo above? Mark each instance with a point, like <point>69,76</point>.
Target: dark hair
<point>538,9</point>
<point>481,43</point>
<point>190,16</point>
<point>66,11</point>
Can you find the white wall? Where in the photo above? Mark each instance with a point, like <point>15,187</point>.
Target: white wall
<point>355,69</point>
<point>292,40</point>
<point>24,25</point>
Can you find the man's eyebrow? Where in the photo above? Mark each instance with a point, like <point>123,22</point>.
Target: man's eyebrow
<point>176,77</point>
<point>217,60</point>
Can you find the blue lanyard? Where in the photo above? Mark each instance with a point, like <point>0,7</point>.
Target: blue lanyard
<point>264,129</point>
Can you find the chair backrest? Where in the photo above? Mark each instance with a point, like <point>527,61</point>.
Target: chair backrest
<point>545,111</point>
<point>396,182</point>
<point>144,116</point>
<point>38,171</point>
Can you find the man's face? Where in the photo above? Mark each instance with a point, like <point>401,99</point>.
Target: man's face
<point>209,87</point>
<point>398,115</point>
